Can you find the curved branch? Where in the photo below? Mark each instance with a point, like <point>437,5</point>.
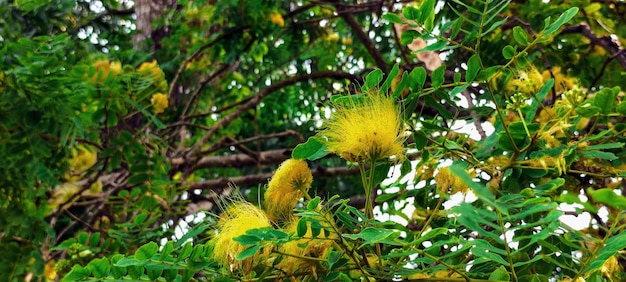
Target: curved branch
<point>254,101</point>
<point>610,45</point>
<point>247,180</point>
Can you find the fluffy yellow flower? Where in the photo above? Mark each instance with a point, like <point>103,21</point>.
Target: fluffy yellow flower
<point>82,158</point>
<point>367,131</point>
<point>296,252</point>
<point>234,222</point>
<point>159,102</point>
<point>290,181</point>
<point>104,68</point>
<point>561,81</point>
<point>152,68</point>
<point>277,19</point>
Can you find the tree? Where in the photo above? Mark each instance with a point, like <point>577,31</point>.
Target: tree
<point>267,140</point>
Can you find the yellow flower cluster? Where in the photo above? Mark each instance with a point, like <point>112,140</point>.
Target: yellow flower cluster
<point>159,103</point>
<point>365,132</point>
<point>302,255</point>
<point>104,68</point>
<point>277,19</point>
<point>288,185</point>
<point>446,181</point>
<point>526,82</point>
<point>234,222</point>
<point>152,68</point>
<point>561,81</point>
<point>82,158</point>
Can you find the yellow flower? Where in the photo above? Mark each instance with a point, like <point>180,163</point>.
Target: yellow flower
<point>277,19</point>
<point>445,181</point>
<point>49,272</point>
<point>346,41</point>
<point>561,82</point>
<point>297,252</point>
<point>104,68</point>
<point>367,131</point>
<point>288,185</point>
<point>234,222</point>
<point>159,102</point>
<point>82,158</point>
<point>526,82</point>
<point>152,68</point>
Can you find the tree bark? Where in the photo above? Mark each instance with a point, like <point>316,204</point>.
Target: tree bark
<point>147,11</point>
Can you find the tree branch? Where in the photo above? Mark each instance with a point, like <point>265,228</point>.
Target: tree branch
<point>610,45</point>
<point>193,153</point>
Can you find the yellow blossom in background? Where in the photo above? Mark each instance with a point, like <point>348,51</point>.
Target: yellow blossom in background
<point>307,246</point>
<point>561,82</point>
<point>446,181</point>
<point>83,157</point>
<point>527,82</point>
<point>277,19</point>
<point>346,41</point>
<point>366,131</point>
<point>104,68</point>
<point>49,272</point>
<point>152,68</point>
<point>333,37</point>
<point>159,102</point>
<point>288,185</point>
<point>236,220</point>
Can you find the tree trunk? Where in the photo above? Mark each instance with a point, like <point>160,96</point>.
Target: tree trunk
<point>147,11</point>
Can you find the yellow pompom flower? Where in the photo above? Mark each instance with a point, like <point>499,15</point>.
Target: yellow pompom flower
<point>236,220</point>
<point>288,185</point>
<point>277,19</point>
<point>364,132</point>
<point>159,102</point>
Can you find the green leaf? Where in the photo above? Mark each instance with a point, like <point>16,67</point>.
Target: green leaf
<point>371,235</point>
<point>408,36</point>
<point>501,274</point>
<point>417,78</point>
<point>249,252</point>
<point>437,46</point>
<point>77,273</point>
<point>390,77</point>
<point>154,271</point>
<point>437,76</point>
<point>99,267</point>
<point>427,14</point>
<point>146,251</point>
<point>410,13</point>
<point>393,18</point>
<point>311,150</point>
<point>615,145</point>
<point>565,17</point>
<point>605,100</point>
<point>482,192</point>
<point>313,204</point>
<point>598,155</point>
<point>508,52</point>
<point>373,79</point>
<point>185,251</point>
<point>608,197</point>
<point>520,35</point>
<point>302,227</point>
<point>473,67</point>
<point>613,245</point>
<point>166,251</point>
